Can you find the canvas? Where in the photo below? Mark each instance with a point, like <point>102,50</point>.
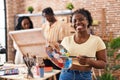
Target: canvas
<point>30,41</point>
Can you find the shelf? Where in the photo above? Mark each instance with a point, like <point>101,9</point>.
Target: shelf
<point>57,13</point>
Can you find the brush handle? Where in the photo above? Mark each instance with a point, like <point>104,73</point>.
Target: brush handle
<point>74,57</point>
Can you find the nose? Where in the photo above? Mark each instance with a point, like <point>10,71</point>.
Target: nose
<point>27,26</point>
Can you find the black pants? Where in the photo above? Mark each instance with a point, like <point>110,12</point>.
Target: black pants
<point>49,63</point>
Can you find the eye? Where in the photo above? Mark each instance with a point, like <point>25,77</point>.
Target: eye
<point>73,20</point>
<point>81,19</point>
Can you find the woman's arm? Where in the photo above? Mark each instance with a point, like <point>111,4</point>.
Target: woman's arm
<point>101,60</point>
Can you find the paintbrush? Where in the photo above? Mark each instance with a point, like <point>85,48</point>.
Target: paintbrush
<point>74,57</point>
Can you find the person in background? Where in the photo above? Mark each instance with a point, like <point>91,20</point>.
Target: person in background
<point>54,31</point>
<point>23,23</point>
<point>85,46</point>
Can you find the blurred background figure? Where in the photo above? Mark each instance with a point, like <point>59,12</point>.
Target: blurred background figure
<point>23,23</point>
<point>54,30</point>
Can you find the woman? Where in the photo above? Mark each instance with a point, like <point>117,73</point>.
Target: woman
<point>84,46</point>
<point>23,23</point>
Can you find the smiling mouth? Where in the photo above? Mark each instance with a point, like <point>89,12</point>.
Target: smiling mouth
<point>79,27</point>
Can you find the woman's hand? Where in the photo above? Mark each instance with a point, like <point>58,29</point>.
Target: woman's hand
<point>83,60</point>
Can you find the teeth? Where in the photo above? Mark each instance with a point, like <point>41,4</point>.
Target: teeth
<point>79,26</point>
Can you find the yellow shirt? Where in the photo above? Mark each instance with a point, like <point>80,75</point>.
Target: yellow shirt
<point>88,48</point>
<point>55,32</point>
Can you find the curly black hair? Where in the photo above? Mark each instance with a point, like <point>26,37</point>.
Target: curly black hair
<point>48,11</point>
<point>84,12</point>
<point>20,19</point>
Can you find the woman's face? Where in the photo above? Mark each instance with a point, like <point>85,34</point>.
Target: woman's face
<point>25,24</point>
<point>79,22</point>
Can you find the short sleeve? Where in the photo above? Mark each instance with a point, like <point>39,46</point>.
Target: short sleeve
<point>100,44</point>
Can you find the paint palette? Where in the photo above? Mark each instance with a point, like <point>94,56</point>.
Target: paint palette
<point>59,57</point>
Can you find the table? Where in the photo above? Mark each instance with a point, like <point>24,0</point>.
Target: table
<point>47,75</point>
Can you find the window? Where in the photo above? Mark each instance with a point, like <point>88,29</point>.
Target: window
<point>2,24</point>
